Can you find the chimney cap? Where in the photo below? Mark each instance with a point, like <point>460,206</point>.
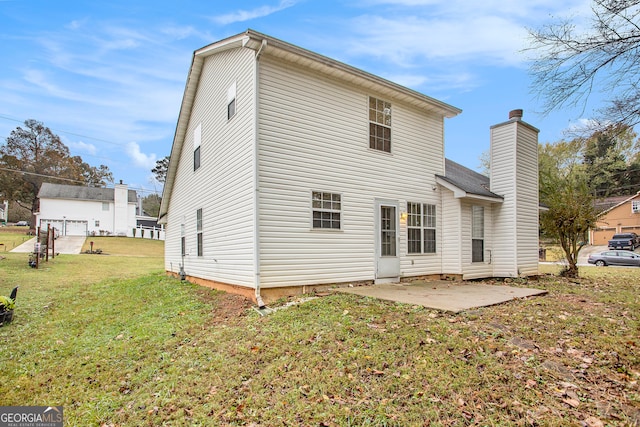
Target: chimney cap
<point>515,114</point>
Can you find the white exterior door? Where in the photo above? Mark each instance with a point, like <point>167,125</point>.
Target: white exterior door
<point>387,241</point>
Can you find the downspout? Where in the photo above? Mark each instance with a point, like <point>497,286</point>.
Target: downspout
<point>256,181</point>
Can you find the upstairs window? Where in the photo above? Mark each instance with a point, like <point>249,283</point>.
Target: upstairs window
<point>635,206</point>
<point>231,101</point>
<point>379,125</point>
<point>197,136</point>
<point>327,210</point>
<point>477,234</point>
<point>105,206</point>
<point>421,228</point>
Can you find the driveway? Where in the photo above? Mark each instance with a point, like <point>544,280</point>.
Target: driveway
<point>444,295</point>
<point>63,245</point>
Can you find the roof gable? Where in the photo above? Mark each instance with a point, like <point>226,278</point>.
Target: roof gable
<point>266,45</point>
<point>620,203</point>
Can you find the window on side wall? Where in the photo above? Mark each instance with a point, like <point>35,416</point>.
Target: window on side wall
<point>197,137</point>
<point>635,206</point>
<point>326,210</point>
<point>379,125</point>
<point>105,206</point>
<point>421,228</point>
<point>477,234</point>
<point>199,231</point>
<point>231,101</point>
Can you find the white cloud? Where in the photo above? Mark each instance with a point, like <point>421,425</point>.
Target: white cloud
<point>410,39</point>
<point>436,82</point>
<point>494,32</point>
<point>247,15</point>
<point>83,147</point>
<point>141,160</point>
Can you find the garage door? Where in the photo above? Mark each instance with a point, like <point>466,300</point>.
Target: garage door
<point>76,228</point>
<point>602,236</point>
<point>53,223</point>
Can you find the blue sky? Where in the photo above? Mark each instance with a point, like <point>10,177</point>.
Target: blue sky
<point>108,77</point>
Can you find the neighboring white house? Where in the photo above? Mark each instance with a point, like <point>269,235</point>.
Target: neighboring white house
<point>291,170</point>
<point>84,211</point>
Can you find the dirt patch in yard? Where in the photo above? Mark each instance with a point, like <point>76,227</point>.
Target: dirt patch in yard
<point>225,307</point>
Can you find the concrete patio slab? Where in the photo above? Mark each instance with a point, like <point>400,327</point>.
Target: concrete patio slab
<point>444,295</point>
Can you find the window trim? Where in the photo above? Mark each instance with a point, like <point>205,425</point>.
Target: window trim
<point>199,234</point>
<point>327,214</point>
<point>477,234</point>
<point>635,206</point>
<point>422,218</point>
<point>377,142</point>
<point>231,101</point>
<point>197,140</point>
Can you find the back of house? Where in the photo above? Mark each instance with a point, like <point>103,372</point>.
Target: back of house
<point>290,170</point>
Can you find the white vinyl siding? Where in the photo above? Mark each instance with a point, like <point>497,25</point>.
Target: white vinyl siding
<point>451,239</point>
<point>514,174</point>
<point>297,157</point>
<point>224,185</point>
<point>527,206</point>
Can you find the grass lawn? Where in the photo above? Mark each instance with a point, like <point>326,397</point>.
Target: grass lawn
<point>118,343</point>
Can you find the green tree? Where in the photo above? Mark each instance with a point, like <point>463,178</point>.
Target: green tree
<point>33,155</point>
<point>569,63</point>
<point>607,155</point>
<point>565,190</point>
<point>160,171</point>
<point>151,204</point>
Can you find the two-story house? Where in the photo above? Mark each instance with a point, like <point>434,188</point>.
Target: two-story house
<point>290,170</point>
<point>75,210</point>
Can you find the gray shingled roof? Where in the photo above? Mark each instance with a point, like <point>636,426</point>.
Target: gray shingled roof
<point>77,192</point>
<point>466,179</point>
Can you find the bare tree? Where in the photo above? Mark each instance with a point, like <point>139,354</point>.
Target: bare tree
<point>569,65</point>
<point>33,154</point>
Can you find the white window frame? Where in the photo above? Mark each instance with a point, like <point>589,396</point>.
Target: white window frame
<point>199,236</point>
<point>197,139</point>
<point>635,206</point>
<point>231,101</point>
<point>326,210</point>
<point>477,233</point>
<point>421,217</point>
<point>379,125</point>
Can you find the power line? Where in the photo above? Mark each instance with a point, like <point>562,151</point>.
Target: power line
<point>69,133</point>
<point>41,175</point>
